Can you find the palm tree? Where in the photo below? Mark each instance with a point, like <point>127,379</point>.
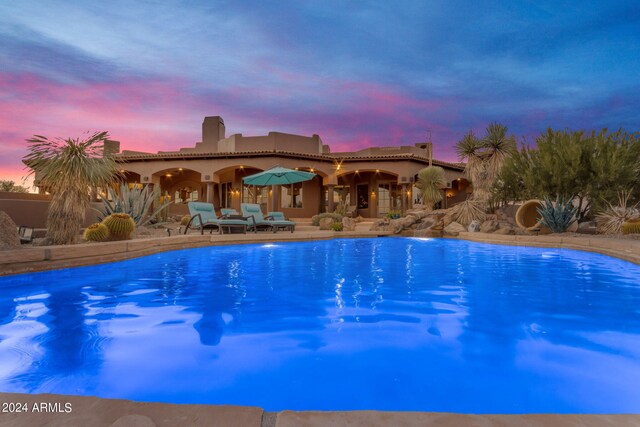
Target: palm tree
<point>70,169</point>
<point>430,182</point>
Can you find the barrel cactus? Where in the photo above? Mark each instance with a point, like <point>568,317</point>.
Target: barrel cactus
<point>97,232</point>
<point>185,220</point>
<point>631,226</point>
<point>120,225</point>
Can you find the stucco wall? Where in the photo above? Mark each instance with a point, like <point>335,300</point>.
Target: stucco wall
<point>31,209</point>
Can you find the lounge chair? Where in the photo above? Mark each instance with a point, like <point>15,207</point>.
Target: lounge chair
<point>268,222</point>
<point>279,216</point>
<point>203,216</point>
<point>224,212</point>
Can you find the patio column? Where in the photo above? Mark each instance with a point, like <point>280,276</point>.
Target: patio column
<point>330,205</point>
<point>209,192</point>
<point>404,198</point>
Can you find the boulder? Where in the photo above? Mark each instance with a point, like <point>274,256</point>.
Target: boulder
<point>454,229</point>
<point>380,225</point>
<point>326,223</point>
<point>474,227</point>
<point>9,237</point>
<point>348,224</point>
<point>489,226</point>
<point>419,214</point>
<point>428,221</point>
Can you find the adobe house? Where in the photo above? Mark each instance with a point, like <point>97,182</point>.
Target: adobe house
<point>372,181</point>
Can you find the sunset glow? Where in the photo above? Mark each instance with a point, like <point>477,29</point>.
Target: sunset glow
<point>358,74</point>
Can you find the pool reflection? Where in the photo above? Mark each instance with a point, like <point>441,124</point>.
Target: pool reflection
<point>492,328</point>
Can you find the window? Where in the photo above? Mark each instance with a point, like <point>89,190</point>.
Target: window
<point>291,196</point>
<point>185,194</point>
<point>389,198</point>
<point>253,194</point>
<point>225,195</point>
<point>340,196</point>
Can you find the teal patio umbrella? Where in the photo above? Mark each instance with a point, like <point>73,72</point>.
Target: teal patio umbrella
<point>278,176</point>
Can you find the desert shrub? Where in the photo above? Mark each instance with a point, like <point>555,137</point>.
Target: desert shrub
<point>337,226</point>
<point>611,219</point>
<point>594,167</point>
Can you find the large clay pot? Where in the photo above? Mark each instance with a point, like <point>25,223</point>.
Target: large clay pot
<point>528,218</point>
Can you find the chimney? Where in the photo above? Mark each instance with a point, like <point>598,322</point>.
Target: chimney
<point>212,131</point>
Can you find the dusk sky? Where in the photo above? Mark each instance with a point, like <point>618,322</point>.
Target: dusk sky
<point>357,73</point>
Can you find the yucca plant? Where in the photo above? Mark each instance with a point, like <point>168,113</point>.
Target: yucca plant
<point>134,201</point>
<point>468,211</point>
<point>70,169</point>
<point>558,215</point>
<point>430,182</point>
<point>499,146</point>
<point>485,158</point>
<point>611,219</point>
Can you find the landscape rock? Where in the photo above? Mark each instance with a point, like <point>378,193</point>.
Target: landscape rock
<point>419,214</point>
<point>348,224</point>
<point>474,227</point>
<point>326,223</point>
<point>428,221</point>
<point>9,237</point>
<point>505,230</point>
<point>454,229</point>
<point>489,225</point>
<point>380,225</point>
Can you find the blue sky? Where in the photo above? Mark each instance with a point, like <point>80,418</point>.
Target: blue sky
<point>357,73</point>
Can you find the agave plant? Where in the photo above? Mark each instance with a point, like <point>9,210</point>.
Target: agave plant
<point>430,182</point>
<point>70,169</point>
<point>611,219</point>
<point>134,201</point>
<point>558,215</point>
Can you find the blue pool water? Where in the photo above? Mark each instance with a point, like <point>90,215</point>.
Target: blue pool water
<point>388,324</point>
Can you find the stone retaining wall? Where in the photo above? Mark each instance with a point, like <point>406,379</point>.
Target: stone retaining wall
<point>40,258</point>
<point>626,249</point>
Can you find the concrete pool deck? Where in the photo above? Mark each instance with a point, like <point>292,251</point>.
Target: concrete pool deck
<point>53,410</point>
<point>41,258</point>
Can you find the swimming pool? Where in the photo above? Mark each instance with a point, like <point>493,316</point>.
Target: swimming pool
<point>388,324</point>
